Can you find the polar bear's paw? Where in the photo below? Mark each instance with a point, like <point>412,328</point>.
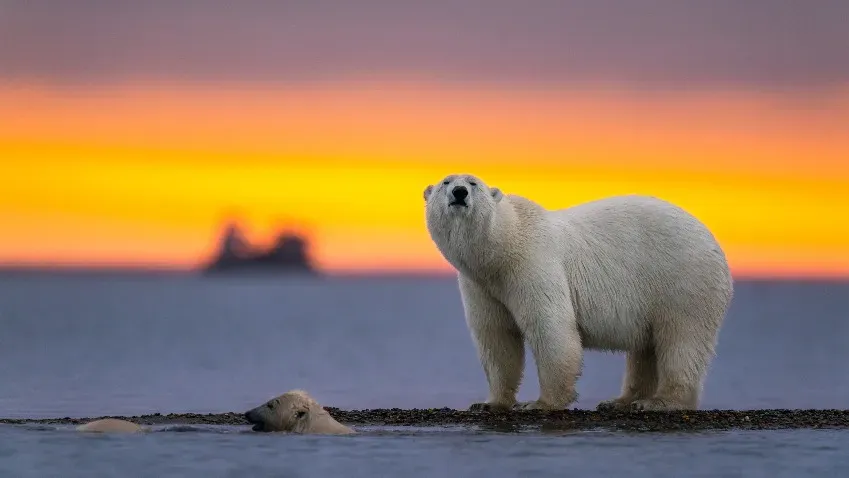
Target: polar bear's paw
<point>536,405</point>
<point>615,404</point>
<point>488,407</point>
<point>655,405</point>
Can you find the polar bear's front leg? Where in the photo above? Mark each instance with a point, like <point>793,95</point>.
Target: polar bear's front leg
<point>549,325</point>
<point>499,344</point>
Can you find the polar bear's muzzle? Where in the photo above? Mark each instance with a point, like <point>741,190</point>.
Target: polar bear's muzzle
<point>255,419</point>
<point>458,196</point>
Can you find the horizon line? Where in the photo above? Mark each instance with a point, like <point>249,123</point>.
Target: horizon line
<point>160,269</point>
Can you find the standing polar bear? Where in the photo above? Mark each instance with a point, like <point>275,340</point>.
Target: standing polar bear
<point>628,273</point>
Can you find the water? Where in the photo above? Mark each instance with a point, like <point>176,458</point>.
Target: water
<point>423,452</point>
<point>82,346</point>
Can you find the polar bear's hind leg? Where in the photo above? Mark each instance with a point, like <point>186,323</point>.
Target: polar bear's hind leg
<point>639,383</point>
<point>684,350</point>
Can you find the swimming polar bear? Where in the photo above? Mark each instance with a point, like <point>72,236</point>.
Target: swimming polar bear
<point>628,273</point>
<point>110,425</point>
<point>294,411</point>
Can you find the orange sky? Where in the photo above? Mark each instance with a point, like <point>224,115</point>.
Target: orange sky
<point>134,174</point>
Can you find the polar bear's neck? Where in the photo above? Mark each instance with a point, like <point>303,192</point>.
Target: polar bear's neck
<point>483,244</point>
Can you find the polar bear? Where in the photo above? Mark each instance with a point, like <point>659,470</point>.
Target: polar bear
<point>628,273</point>
<point>110,425</point>
<point>294,411</point>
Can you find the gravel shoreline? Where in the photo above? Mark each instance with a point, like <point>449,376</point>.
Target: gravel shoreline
<point>517,420</point>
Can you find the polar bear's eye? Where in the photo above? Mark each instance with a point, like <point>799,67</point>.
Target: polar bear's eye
<point>301,414</point>
<point>446,182</point>
<point>472,183</point>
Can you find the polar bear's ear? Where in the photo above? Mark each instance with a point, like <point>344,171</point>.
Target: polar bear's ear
<point>427,191</point>
<point>496,194</point>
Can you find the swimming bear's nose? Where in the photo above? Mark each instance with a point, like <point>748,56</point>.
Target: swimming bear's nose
<point>460,192</point>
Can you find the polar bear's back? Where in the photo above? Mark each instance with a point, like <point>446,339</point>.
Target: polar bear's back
<point>630,257</point>
<point>652,224</point>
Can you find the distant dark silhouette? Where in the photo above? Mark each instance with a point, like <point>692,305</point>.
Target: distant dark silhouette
<point>235,255</point>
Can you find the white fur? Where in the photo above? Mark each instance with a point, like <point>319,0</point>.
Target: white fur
<point>627,273</point>
<point>297,412</point>
<point>110,425</point>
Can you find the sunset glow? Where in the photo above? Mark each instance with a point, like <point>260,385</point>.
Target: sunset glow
<point>136,175</point>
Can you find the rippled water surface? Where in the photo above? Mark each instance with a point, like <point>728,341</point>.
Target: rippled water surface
<point>209,452</point>
<point>82,346</point>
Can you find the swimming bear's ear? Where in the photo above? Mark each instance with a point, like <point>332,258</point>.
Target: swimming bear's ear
<point>427,191</point>
<point>496,194</point>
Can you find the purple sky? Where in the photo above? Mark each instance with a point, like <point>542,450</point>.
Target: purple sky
<point>672,43</point>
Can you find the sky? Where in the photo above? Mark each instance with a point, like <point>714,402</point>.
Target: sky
<point>131,131</point>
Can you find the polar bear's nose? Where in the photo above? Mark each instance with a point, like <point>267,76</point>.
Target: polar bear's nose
<point>460,192</point>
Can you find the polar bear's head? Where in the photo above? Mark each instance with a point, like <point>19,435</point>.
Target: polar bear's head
<point>460,199</point>
<point>294,411</point>
<point>285,413</point>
